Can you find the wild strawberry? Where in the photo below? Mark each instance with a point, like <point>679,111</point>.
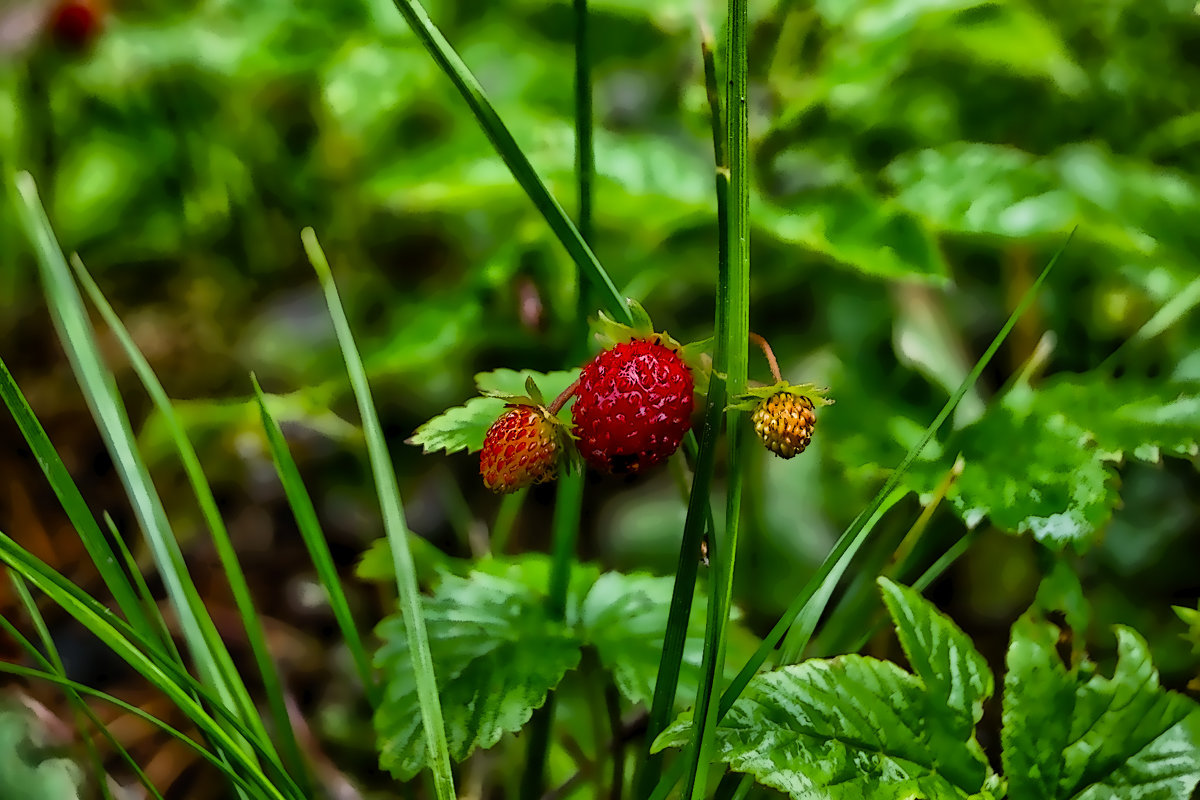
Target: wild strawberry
<point>784,416</point>
<point>633,406</point>
<point>521,448</point>
<point>785,423</point>
<point>75,23</point>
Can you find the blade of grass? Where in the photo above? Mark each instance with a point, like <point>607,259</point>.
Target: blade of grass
<point>164,674</point>
<point>236,578</point>
<point>862,598</point>
<point>251,784</point>
<point>802,629</point>
<point>75,331</point>
<point>508,149</point>
<point>314,539</point>
<point>52,662</point>
<point>737,346</point>
<point>97,546</point>
<point>851,540</point>
<point>698,512</point>
<point>394,525</point>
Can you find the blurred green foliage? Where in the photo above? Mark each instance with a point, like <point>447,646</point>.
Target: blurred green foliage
<point>915,163</point>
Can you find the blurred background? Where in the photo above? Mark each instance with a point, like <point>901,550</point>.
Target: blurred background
<point>915,164</point>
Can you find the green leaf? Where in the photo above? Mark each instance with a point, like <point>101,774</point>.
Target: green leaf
<point>944,658</point>
<point>854,727</point>
<point>969,187</point>
<point>47,779</point>
<point>496,655</point>
<point>1129,416</point>
<point>464,427</point>
<point>625,618</point>
<point>1128,735</point>
<point>1042,461</point>
<point>1039,696</point>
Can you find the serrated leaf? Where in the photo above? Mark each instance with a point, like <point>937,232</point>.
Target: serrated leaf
<point>1128,735</point>
<point>853,727</point>
<point>1033,474</point>
<point>1127,416</point>
<point>942,656</point>
<point>849,727</point>
<point>464,427</point>
<point>1119,737</point>
<point>496,656</point>
<point>1039,697</point>
<point>1042,461</point>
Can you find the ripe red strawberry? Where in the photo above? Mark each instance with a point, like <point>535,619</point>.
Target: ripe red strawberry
<point>520,449</point>
<point>633,406</point>
<point>785,422</point>
<point>75,23</point>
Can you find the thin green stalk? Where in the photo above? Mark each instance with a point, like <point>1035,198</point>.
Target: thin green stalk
<point>936,569</point>
<point>239,744</point>
<point>395,526</point>
<point>239,587</point>
<point>852,539</point>
<point>318,548</point>
<point>585,155</point>
<point>567,508</point>
<point>247,780</point>
<point>849,617</point>
<point>52,662</point>
<point>508,149</point>
<point>74,505</point>
<point>802,629</point>
<point>737,347</point>
<point>667,681</point>
<point>506,519</point>
<point>77,700</point>
<point>78,337</point>
<point>569,498</point>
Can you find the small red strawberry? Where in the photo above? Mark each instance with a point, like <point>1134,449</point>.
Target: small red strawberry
<point>633,405</point>
<point>76,23</point>
<point>520,449</point>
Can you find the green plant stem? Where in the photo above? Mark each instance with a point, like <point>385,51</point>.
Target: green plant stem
<point>506,519</point>
<point>736,336</point>
<point>395,526</point>
<point>699,511</point>
<point>508,149</point>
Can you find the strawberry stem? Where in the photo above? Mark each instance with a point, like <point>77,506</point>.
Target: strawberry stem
<point>562,399</point>
<point>769,353</point>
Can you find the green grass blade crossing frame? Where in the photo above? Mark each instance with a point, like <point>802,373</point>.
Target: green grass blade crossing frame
<point>394,525</point>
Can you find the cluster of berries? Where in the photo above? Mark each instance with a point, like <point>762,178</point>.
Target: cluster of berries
<point>633,406</point>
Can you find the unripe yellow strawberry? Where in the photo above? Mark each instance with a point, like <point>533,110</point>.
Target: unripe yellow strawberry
<point>785,422</point>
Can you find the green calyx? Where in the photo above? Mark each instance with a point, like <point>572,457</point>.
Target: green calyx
<point>818,396</point>
<point>696,355</point>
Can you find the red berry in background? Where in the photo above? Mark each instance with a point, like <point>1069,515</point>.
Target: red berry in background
<point>520,449</point>
<point>633,406</point>
<point>75,23</point>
